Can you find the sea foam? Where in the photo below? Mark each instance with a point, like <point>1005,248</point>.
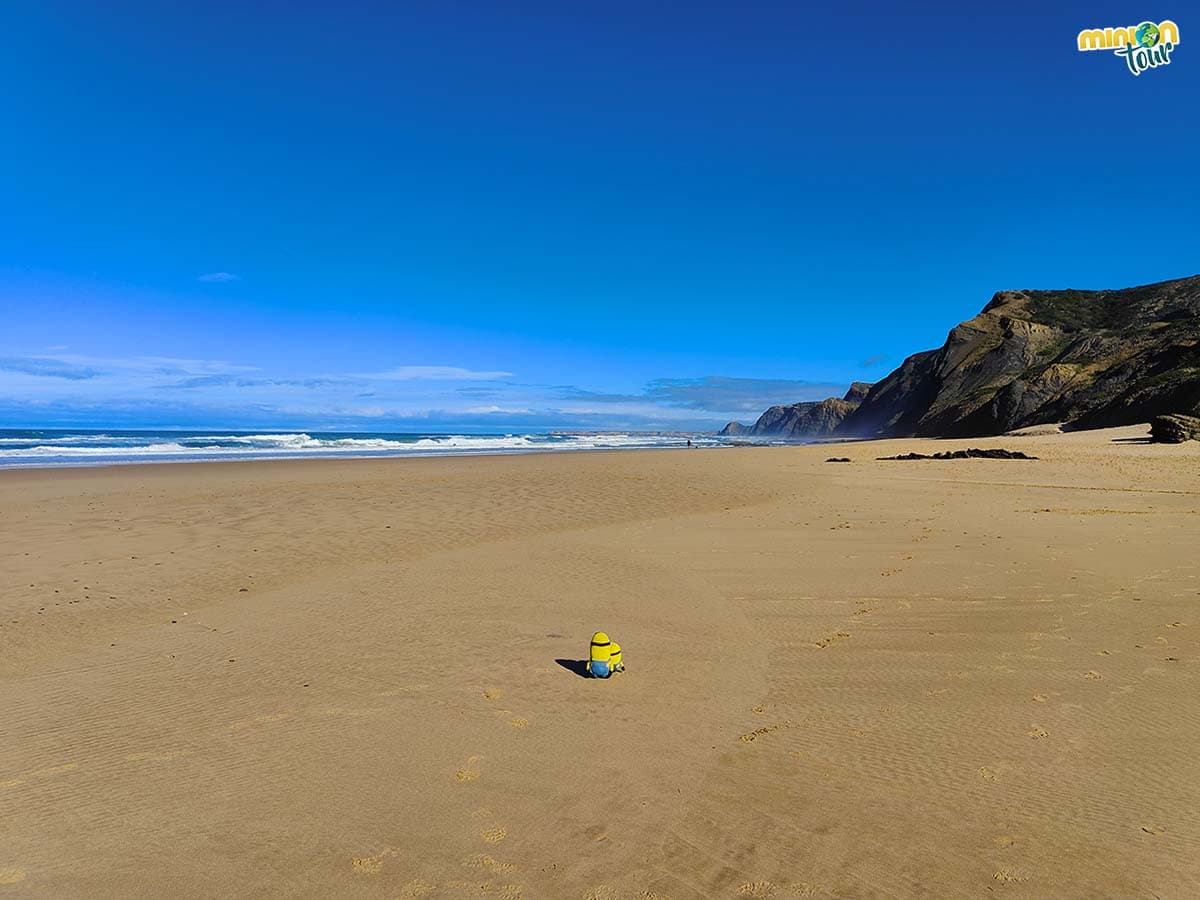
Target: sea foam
<point>65,448</point>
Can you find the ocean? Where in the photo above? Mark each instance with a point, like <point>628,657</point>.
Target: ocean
<point>83,447</point>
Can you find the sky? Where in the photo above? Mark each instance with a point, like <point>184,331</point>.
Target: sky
<point>501,216</point>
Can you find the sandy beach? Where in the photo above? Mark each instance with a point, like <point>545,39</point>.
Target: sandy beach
<point>356,678</point>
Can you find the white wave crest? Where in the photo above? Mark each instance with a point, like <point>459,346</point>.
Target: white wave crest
<point>113,449</point>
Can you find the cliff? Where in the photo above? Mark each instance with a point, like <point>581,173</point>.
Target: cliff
<point>818,418</point>
<point>1089,359</point>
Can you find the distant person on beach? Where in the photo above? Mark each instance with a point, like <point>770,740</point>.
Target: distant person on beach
<point>689,442</point>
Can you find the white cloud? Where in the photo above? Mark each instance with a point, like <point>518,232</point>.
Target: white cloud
<point>219,277</point>
<point>494,410</point>
<point>153,389</point>
<point>636,410</point>
<point>435,373</point>
<point>160,365</point>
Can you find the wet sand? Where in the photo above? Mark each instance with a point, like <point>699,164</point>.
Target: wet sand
<point>355,678</point>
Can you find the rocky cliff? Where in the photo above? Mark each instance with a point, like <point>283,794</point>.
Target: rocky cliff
<point>812,419</point>
<point>858,392</point>
<point>1090,359</point>
<point>734,429</point>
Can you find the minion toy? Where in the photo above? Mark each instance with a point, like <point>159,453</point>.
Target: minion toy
<point>605,656</point>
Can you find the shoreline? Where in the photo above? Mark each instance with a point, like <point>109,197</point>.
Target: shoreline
<point>730,444</point>
<point>67,449</point>
<point>345,457</point>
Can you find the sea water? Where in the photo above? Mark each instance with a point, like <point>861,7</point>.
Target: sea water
<point>82,447</point>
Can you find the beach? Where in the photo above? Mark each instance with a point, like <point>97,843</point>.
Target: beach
<point>357,678</point>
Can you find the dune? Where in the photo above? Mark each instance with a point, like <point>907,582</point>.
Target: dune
<point>358,678</point>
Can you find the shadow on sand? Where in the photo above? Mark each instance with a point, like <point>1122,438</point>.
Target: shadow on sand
<point>578,666</point>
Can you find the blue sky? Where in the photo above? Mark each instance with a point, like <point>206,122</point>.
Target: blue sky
<point>491,216</point>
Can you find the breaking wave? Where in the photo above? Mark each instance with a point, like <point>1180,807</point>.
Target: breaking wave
<point>61,448</point>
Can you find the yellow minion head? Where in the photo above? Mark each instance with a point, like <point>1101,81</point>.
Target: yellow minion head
<point>601,647</point>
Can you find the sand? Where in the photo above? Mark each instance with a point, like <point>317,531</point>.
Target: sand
<point>341,679</point>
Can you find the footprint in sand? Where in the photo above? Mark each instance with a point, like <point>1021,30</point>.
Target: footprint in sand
<point>367,865</point>
<point>483,861</point>
<point>1093,676</point>
<point>1004,840</point>
<point>988,774</point>
<point>11,875</point>
<point>494,835</point>
<point>518,722</point>
<point>756,889</point>
<point>1040,698</point>
<point>826,641</point>
<point>759,732</point>
<point>468,772</point>
<point>371,865</point>
<point>492,694</point>
<point>1038,733</point>
<point>1007,876</point>
<point>416,889</point>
